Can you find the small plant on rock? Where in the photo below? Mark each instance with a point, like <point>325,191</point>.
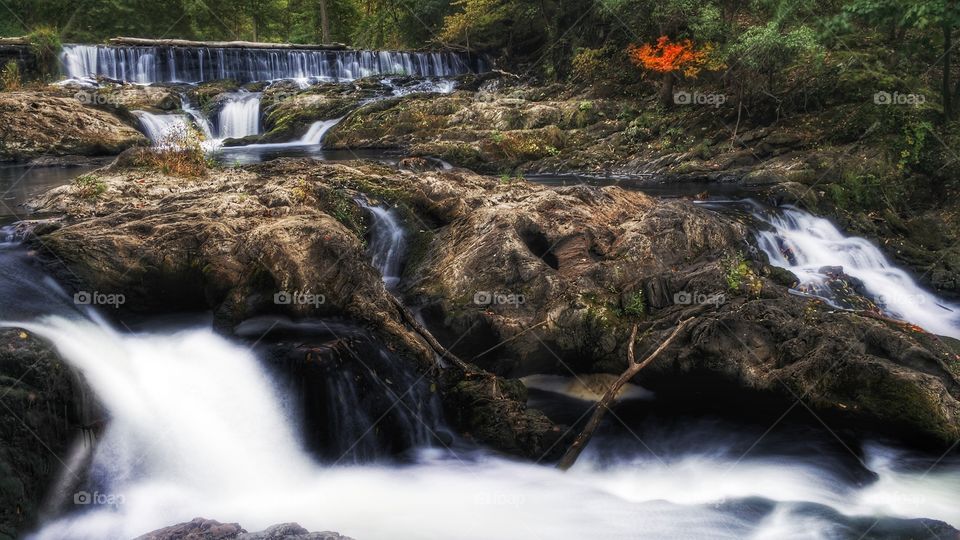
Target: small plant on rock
<point>89,186</point>
<point>636,305</point>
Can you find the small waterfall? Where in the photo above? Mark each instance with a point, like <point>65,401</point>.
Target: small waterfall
<point>809,246</point>
<point>201,121</point>
<point>240,115</point>
<point>197,64</point>
<point>197,429</point>
<point>387,243</point>
<point>317,130</point>
<point>164,129</point>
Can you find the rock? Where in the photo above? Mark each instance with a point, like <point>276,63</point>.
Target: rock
<point>37,124</point>
<point>36,425</point>
<point>291,531</point>
<point>289,111</point>
<point>552,274</point>
<point>208,529</point>
<point>196,529</point>
<point>284,237</point>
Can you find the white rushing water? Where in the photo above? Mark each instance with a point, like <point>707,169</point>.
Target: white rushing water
<point>198,429</point>
<point>164,129</point>
<point>317,130</point>
<point>804,243</point>
<point>240,115</point>
<point>388,242</point>
<point>196,64</point>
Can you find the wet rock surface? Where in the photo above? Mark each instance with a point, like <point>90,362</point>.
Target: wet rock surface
<point>37,422</point>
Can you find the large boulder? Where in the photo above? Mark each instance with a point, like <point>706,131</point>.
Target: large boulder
<point>282,238</point>
<point>37,124</point>
<point>37,421</point>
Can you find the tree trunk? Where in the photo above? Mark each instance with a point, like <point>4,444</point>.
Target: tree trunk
<point>666,90</point>
<point>633,367</point>
<point>324,22</point>
<point>946,90</point>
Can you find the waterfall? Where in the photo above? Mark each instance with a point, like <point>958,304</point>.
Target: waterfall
<point>198,64</point>
<point>387,242</point>
<point>807,245</point>
<point>317,130</point>
<point>197,429</point>
<point>240,115</point>
<point>164,129</point>
<point>201,121</point>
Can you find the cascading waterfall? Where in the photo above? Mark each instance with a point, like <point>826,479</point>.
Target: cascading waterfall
<point>198,64</point>
<point>388,242</point>
<point>317,130</point>
<point>240,115</point>
<point>164,129</point>
<point>201,121</point>
<point>197,429</point>
<point>806,244</point>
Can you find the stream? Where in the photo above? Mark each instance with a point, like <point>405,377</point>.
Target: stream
<point>200,425</point>
<point>204,424</point>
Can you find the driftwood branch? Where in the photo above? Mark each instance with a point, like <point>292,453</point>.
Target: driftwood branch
<point>427,336</point>
<point>633,367</point>
<point>142,42</point>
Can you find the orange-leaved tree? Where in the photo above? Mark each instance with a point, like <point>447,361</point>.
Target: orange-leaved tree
<point>668,57</point>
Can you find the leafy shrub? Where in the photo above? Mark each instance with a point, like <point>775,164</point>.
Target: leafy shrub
<point>10,77</point>
<point>45,44</point>
<point>739,275</point>
<point>636,305</point>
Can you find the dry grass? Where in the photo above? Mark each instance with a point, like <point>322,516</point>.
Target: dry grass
<point>178,154</point>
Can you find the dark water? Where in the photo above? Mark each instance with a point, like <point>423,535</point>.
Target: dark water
<point>257,153</point>
<point>20,183</point>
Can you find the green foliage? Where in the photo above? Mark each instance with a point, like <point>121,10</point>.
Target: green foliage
<point>766,49</point>
<point>89,186</point>
<point>739,275</point>
<point>45,44</point>
<point>856,190</point>
<point>913,144</point>
<point>636,305</point>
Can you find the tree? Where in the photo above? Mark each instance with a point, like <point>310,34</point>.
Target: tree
<point>667,58</point>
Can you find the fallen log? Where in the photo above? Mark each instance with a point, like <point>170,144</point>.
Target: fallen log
<point>21,40</point>
<point>634,367</point>
<point>143,42</point>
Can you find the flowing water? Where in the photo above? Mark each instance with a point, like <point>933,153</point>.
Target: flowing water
<point>388,242</point>
<point>164,129</point>
<point>809,246</point>
<point>240,116</point>
<point>197,428</point>
<point>317,130</point>
<point>197,64</point>
<point>201,424</point>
